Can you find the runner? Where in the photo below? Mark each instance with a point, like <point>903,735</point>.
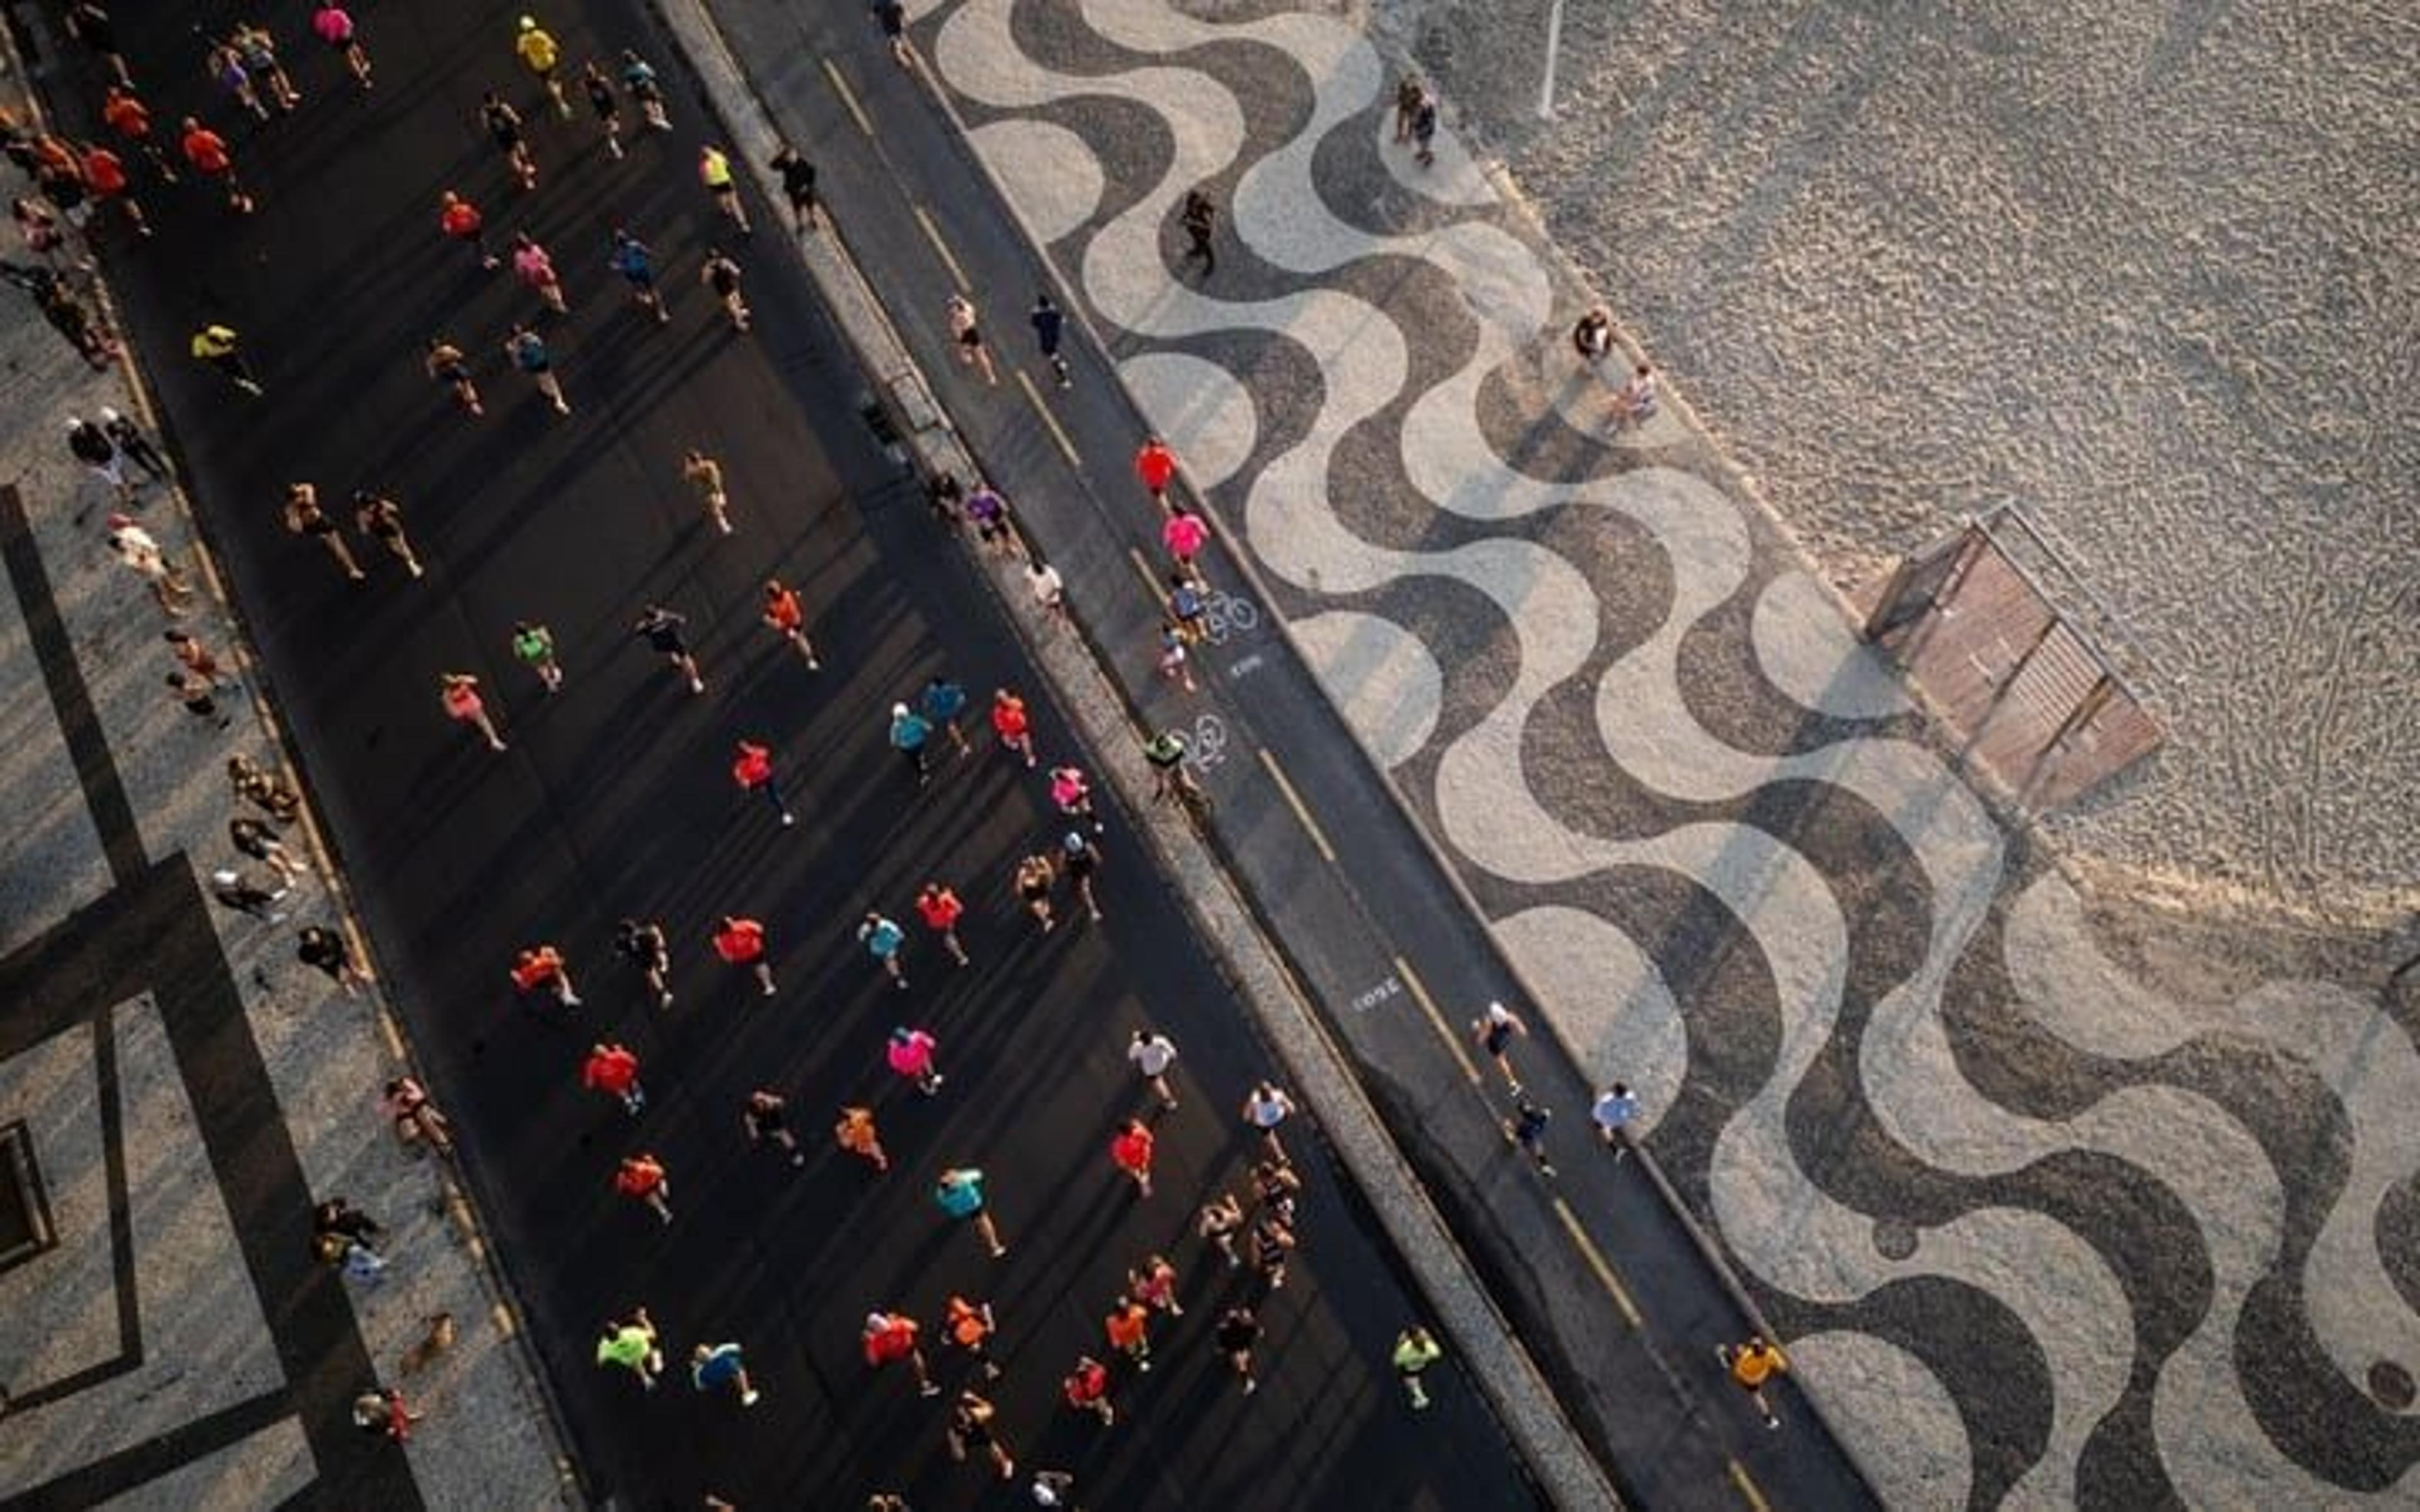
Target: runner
<point>882,938</point>
<point>1613,1112</point>
<point>381,519</point>
<point>542,967</point>
<point>909,733</point>
<point>971,1425</point>
<point>534,266</point>
<point>226,70</point>
<point>639,78</point>
<point>534,46</point>
<point>1049,588</point>
<point>910,1053</point>
<point>752,770</point>
<point>742,943</point>
<point>1238,1331</point>
<point>856,1133</point>
<point>504,125</point>
<point>1184,533</point>
<point>1415,1351</point>
<point>1049,324</point>
<point>604,103</point>
<point>788,617</point>
<point>1009,722</point>
<point>642,1178</point>
<point>661,630</point>
<point>642,942</point>
<point>122,110</point>
<point>534,648</point>
<point>304,517</point>
<point>325,950</point>
<point>104,174</point>
<point>1173,656</point>
<point>1152,1053</point>
<point>765,1117</point>
<point>528,352</point>
<point>1154,1285</point>
<point>969,336</point>
<point>1527,1129</point>
<point>989,510</point>
<point>631,1342</point>
<point>942,703</point>
<point>721,274</point>
<point>1263,1110</point>
<point>1188,605</point>
<point>612,1067</point>
<point>893,17</point>
<point>1128,1327</point>
<point>798,187</point>
<point>1751,1365</point>
<point>959,1191</point>
<point>459,218</point>
<point>1034,876</point>
<point>1272,1240</point>
<point>714,171</point>
<point>135,546</point>
<point>1155,464</point>
<point>444,364</point>
<point>1274,1188</point>
<point>1080,859</point>
<point>1495,1031</point>
<point>970,1326</point>
<point>208,153</point>
<point>939,908</point>
<point>1072,794</point>
<point>713,1366</point>
<point>704,474</point>
<point>889,1338</point>
<point>333,24</point>
<point>1087,1389</point>
<point>1221,1219</point>
<point>459,692</point>
<point>1130,1152</point>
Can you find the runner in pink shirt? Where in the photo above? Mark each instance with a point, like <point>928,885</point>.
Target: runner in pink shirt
<point>1184,534</point>
<point>534,267</point>
<point>911,1054</point>
<point>334,25</point>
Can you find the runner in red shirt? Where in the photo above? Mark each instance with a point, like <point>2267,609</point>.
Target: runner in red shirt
<point>788,618</point>
<point>752,770</point>
<point>459,219</point>
<point>542,966</point>
<point>208,152</point>
<point>941,909</point>
<point>104,174</point>
<point>642,1175</point>
<point>1155,464</point>
<point>1130,1150</point>
<point>1009,722</point>
<point>612,1066</point>
<point>742,942</point>
<point>1087,1389</point>
<point>124,113</point>
<point>891,1337</point>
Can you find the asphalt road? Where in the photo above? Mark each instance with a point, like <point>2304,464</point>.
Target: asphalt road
<point>614,799</point>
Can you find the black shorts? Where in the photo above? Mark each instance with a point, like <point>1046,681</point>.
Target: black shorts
<point>971,338</point>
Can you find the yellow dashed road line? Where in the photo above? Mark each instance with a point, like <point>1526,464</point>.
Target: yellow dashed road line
<point>1437,1018</point>
<point>1747,1489</point>
<point>1301,811</point>
<point>1597,1262</point>
<point>1033,397</point>
<point>847,97</point>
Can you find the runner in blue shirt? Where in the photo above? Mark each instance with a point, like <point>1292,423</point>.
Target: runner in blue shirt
<point>909,733</point>
<point>713,1366</point>
<point>883,937</point>
<point>942,701</point>
<point>637,265</point>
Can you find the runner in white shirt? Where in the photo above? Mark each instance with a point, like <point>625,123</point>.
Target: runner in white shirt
<point>1152,1054</point>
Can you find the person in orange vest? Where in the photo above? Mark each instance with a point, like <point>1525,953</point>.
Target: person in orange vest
<point>613,1067</point>
<point>752,770</point>
<point>542,967</point>
<point>742,942</point>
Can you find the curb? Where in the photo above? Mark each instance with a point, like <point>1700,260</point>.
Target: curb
<point>1523,1399</point>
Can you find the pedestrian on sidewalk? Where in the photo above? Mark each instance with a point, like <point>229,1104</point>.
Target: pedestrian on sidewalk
<point>1495,1031</point>
<point>324,950</point>
<point>41,231</point>
<point>1079,858</point>
<point>1424,127</point>
<point>798,187</point>
<point>639,78</point>
<point>1034,876</point>
<point>381,519</point>
<point>459,218</point>
<point>1184,534</point>
<point>135,546</point>
<point>263,791</point>
<point>123,111</point>
<point>1155,464</point>
<point>208,154</point>
<point>856,1133</point>
<point>968,333</point>
<point>344,1236</point>
<point>1152,1053</point>
<point>1128,1329</point>
<point>721,274</point>
<point>333,24</point>
<point>704,474</point>
<point>1049,325</point>
<point>892,15</point>
<point>91,445</point>
<point>1613,1112</point>
<point>196,659</point>
<point>1264,1111</point>
<point>1593,337</point>
<point>382,1413</point>
<point>604,104</point>
<point>909,733</point>
<point>1409,92</point>
<point>541,969</point>
<point>1072,792</point>
<point>444,364</point>
<point>988,509</point>
<point>765,1118</point>
<point>416,1120</point>
<point>527,350</point>
<point>969,1325</point>
<point>222,348</point>
<point>104,174</point>
<point>972,1425</point>
<point>631,258</point>
<point>1049,591</point>
<point>642,942</point>
<point>1198,217</point>
<point>882,938</point>
<point>1527,1129</point>
<point>1087,1389</point>
<point>959,1192</point>
<point>536,48</point>
<point>255,841</point>
<point>612,1067</point>
<point>715,1366</point>
<point>504,125</point>
<point>1154,1285</point>
<point>1415,1351</point>
<point>741,942</point>
<point>134,446</point>
<point>788,617</point>
<point>304,517</point>
<point>534,648</point>
<point>641,1179</point>
<point>194,694</point>
<point>1010,722</point>
<point>660,628</point>
<point>938,906</point>
<point>942,703</point>
<point>630,1343</point>
<point>458,694</point>
<point>714,171</point>
<point>233,890</point>
<point>535,266</point>
<point>889,1338</point>
<point>1221,1219</point>
<point>67,315</point>
<point>1130,1152</point>
<point>1237,1333</point>
<point>1751,1365</point>
<point>752,770</point>
<point>1634,403</point>
<point>1272,1242</point>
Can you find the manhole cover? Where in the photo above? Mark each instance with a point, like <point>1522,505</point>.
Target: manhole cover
<point>1893,1238</point>
<point>24,1208</point>
<point>2392,1385</point>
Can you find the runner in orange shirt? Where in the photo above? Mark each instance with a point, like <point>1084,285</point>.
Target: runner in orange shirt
<point>104,174</point>
<point>641,1177</point>
<point>889,1338</point>
<point>742,942</point>
<point>1128,1327</point>
<point>1751,1365</point>
<point>459,218</point>
<point>970,1327</point>
<point>1010,723</point>
<point>941,909</point>
<point>124,113</point>
<point>542,967</point>
<point>210,156</point>
<point>788,618</point>
<point>856,1133</point>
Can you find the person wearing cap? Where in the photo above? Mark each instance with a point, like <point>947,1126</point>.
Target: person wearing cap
<point>134,445</point>
<point>1495,1030</point>
<point>91,445</point>
<point>909,733</point>
<point>535,47</point>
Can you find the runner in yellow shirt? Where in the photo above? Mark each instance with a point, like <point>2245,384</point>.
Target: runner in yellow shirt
<point>714,171</point>
<point>1751,1365</point>
<point>539,54</point>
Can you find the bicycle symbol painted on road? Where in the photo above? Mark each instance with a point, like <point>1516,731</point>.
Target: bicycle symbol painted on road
<point>1208,747</point>
<point>1224,614</point>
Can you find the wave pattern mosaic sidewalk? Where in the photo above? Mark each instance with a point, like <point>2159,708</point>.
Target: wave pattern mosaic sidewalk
<point>2039,1231</point>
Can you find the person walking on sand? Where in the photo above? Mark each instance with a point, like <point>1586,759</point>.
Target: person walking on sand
<point>1130,1152</point>
<point>968,333</point>
<point>856,1133</point>
<point>660,628</point>
<point>534,648</point>
<point>630,1343</point>
<point>766,1118</point>
<point>527,350</point>
<point>704,474</point>
<point>959,1193</point>
<point>889,1338</point>
<point>642,1178</point>
<point>381,519</point>
<point>542,968</point>
<point>788,617</point>
<point>445,364</point>
<point>612,1067</point>
<point>1152,1053</point>
<point>752,770</point>
<point>304,517</point>
<point>910,1053</point>
<point>938,906</point>
<point>459,694</point>
<point>741,942</point>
